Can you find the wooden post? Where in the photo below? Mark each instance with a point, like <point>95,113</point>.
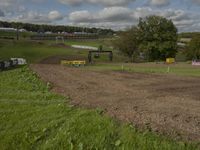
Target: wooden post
<point>168,69</point>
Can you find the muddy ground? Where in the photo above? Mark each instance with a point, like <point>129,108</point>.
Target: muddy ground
<point>165,104</point>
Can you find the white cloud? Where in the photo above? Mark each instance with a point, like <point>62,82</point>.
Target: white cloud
<point>115,13</point>
<point>55,15</point>
<point>107,14</point>
<point>159,2</point>
<point>102,2</point>
<point>11,6</point>
<point>81,16</point>
<point>122,17</point>
<point>36,17</point>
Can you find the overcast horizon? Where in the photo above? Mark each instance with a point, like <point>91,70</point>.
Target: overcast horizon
<point>115,14</point>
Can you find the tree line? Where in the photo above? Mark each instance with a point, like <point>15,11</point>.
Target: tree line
<point>54,29</point>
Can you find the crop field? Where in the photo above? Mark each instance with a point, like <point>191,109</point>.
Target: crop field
<point>101,106</point>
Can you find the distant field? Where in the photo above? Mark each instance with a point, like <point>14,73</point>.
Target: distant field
<point>183,68</point>
<point>31,50</point>
<point>35,51</point>
<point>22,35</point>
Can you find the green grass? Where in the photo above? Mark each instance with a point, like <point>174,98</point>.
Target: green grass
<point>183,69</point>
<point>35,51</point>
<point>31,117</point>
<point>13,34</point>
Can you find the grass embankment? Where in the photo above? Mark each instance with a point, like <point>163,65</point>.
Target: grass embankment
<point>34,118</point>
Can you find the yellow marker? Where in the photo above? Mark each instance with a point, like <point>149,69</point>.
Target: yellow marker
<point>170,60</point>
<point>75,62</point>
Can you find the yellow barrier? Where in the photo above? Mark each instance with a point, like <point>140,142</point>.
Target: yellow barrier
<point>170,60</point>
<point>75,62</point>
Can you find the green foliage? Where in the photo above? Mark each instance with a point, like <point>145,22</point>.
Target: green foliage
<point>128,43</point>
<point>182,69</point>
<point>158,37</point>
<point>193,49</point>
<point>155,37</point>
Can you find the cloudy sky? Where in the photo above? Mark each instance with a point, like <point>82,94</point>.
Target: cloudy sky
<point>115,14</point>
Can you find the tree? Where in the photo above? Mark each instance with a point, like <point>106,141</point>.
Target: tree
<point>158,37</point>
<point>193,48</point>
<point>128,43</point>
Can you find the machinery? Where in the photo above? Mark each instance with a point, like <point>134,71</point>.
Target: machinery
<point>97,53</point>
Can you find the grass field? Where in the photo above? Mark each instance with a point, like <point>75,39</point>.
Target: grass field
<point>183,68</point>
<point>35,51</point>
<point>33,118</point>
<point>22,35</point>
<point>31,50</point>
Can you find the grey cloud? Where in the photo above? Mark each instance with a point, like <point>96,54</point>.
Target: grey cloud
<point>122,17</point>
<point>102,2</point>
<point>36,17</point>
<point>55,15</point>
<point>111,14</point>
<point>12,6</point>
<point>2,13</point>
<point>175,15</point>
<point>196,1</point>
<point>159,2</point>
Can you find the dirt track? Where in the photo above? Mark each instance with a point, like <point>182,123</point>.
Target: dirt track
<point>163,103</point>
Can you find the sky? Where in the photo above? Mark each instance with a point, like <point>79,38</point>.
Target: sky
<point>114,14</point>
